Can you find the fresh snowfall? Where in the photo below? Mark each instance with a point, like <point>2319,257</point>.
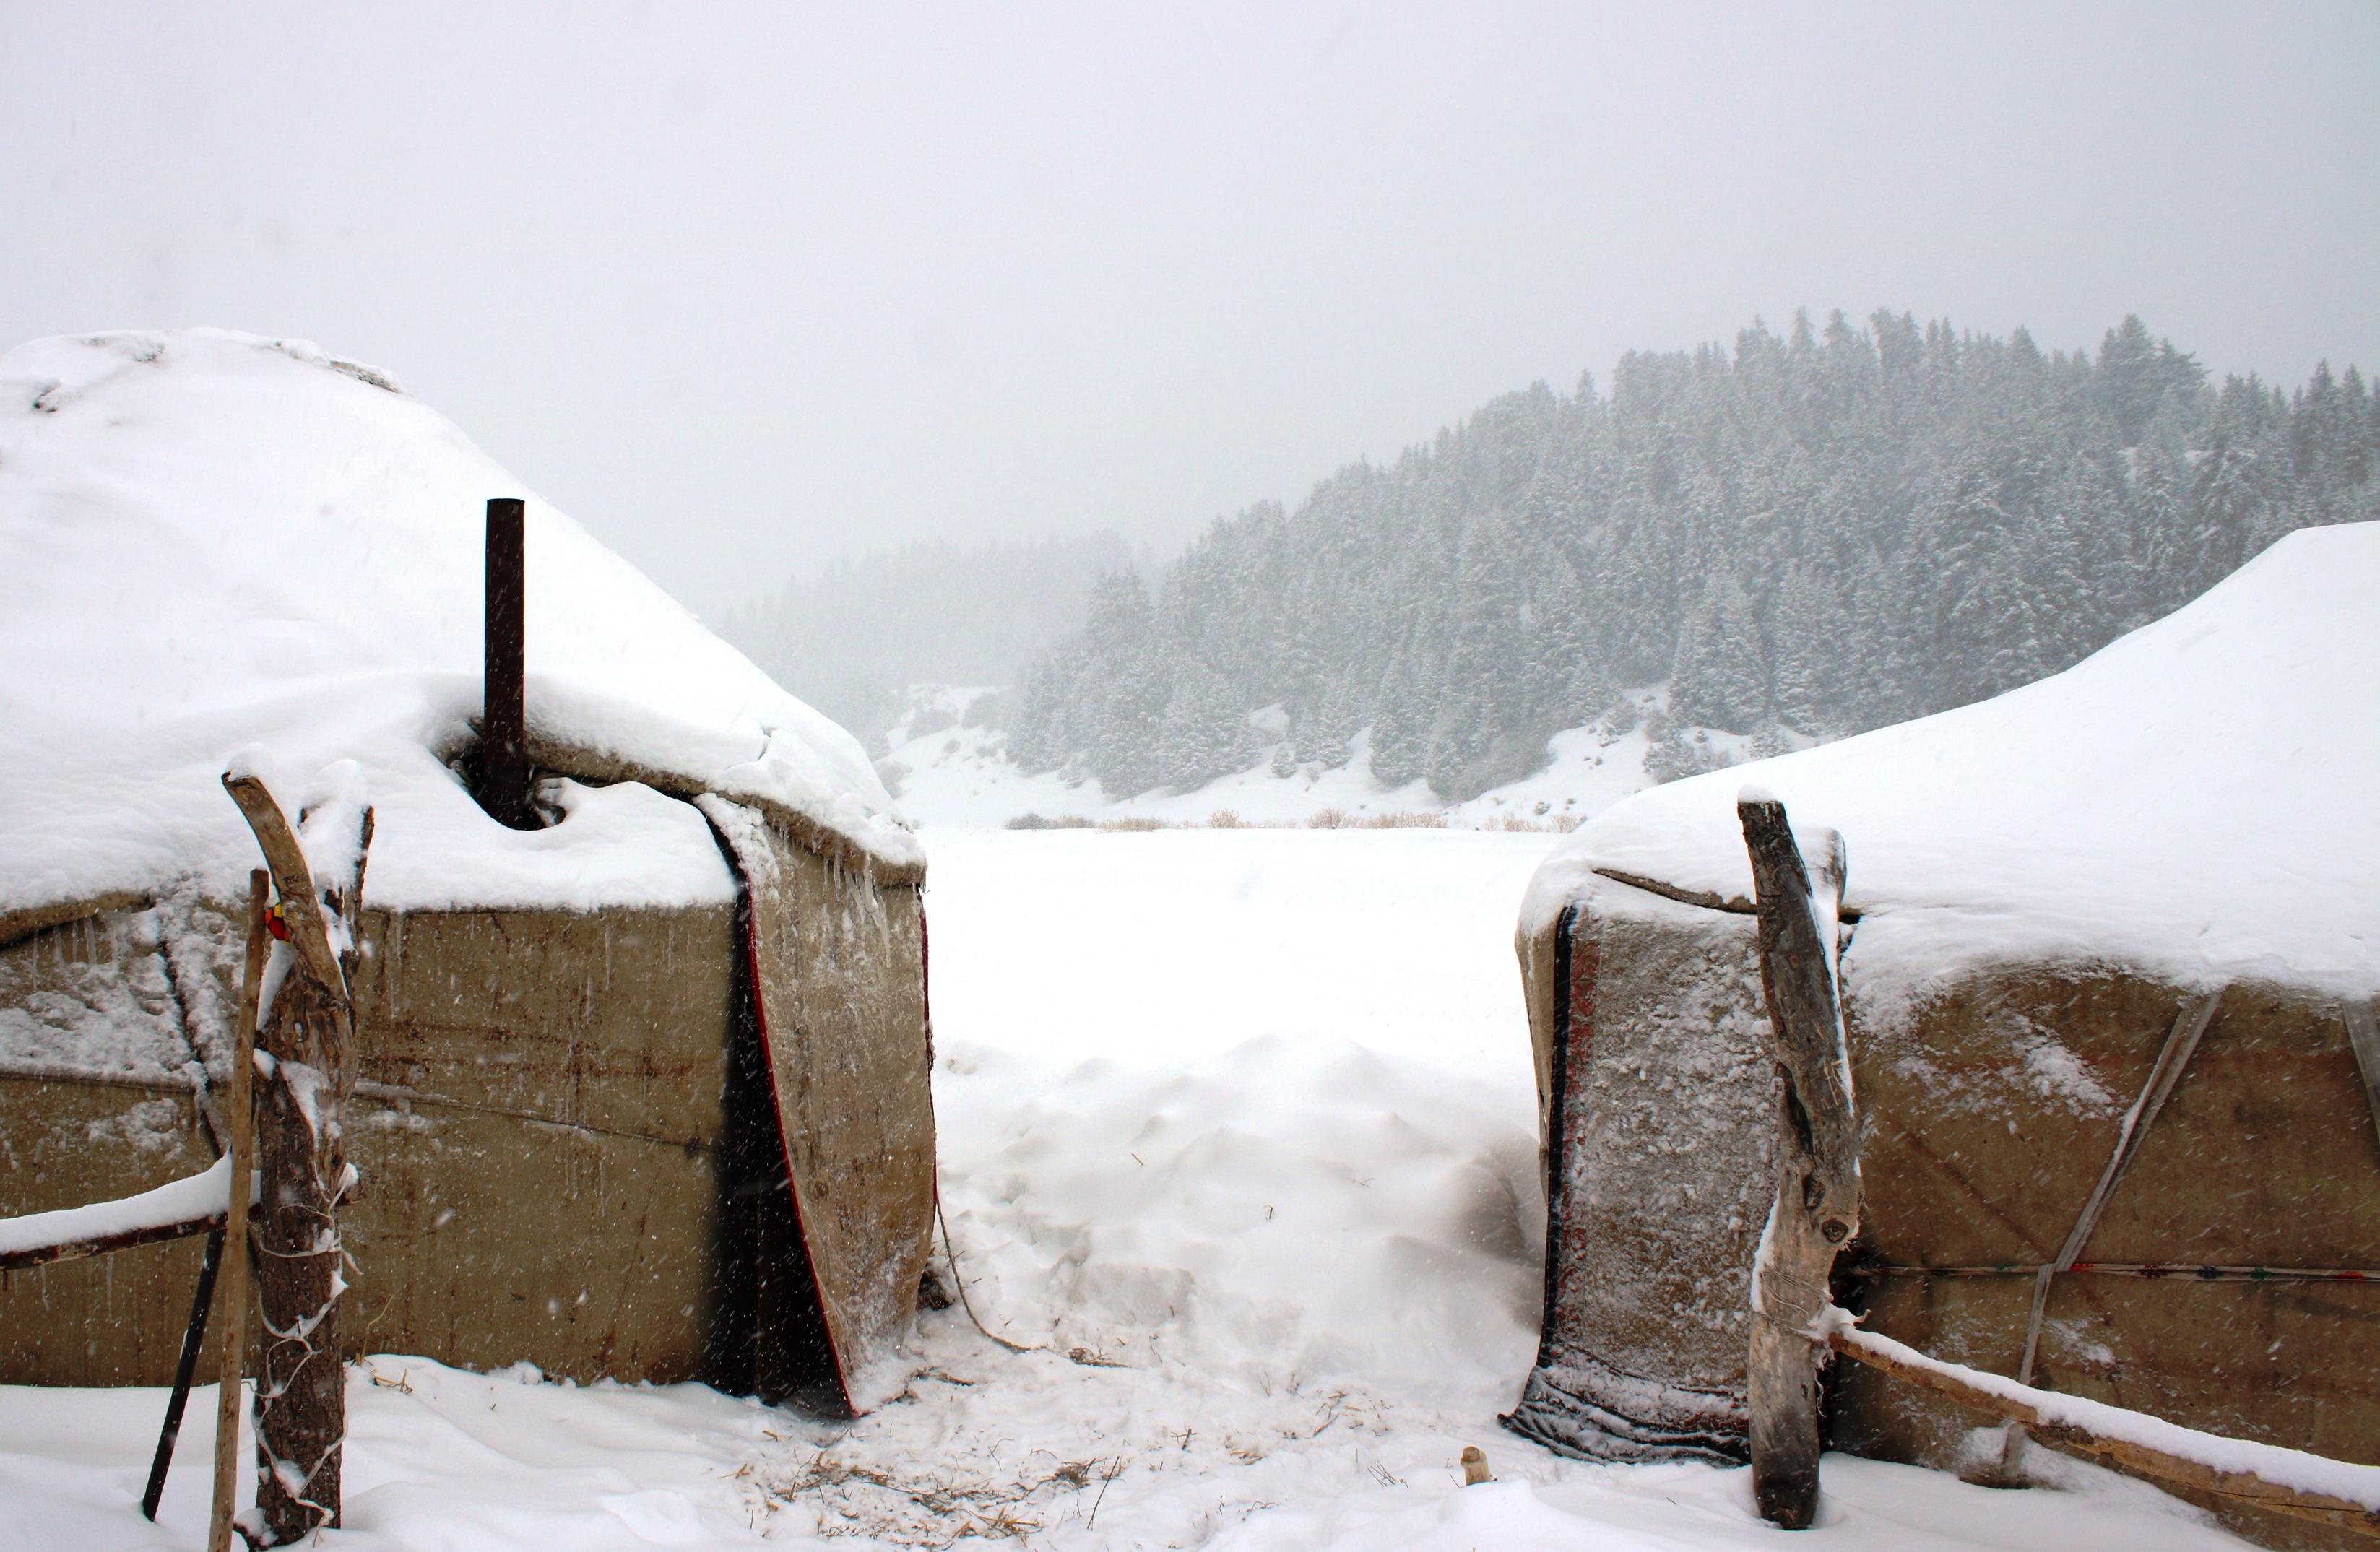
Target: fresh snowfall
<point>1239,1150</point>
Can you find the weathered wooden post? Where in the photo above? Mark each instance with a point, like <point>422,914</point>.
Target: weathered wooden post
<point>504,733</point>
<point>240,1123</point>
<point>306,1029</point>
<point>1817,1205</point>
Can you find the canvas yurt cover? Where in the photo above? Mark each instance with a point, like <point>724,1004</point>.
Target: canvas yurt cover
<point>2044,889</point>
<point>644,1091</point>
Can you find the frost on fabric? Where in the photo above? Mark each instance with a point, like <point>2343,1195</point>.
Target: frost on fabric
<point>294,556</point>
<point>1666,1152</point>
<point>150,1126</point>
<point>2028,1068</point>
<point>95,994</point>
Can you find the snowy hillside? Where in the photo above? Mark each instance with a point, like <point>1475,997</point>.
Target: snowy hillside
<point>949,767</point>
<point>1829,529</point>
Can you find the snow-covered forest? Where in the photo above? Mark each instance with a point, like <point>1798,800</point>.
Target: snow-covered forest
<point>1814,533</point>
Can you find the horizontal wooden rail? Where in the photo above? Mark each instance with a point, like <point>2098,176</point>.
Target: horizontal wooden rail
<point>100,1244</point>
<point>2260,1476</point>
<point>193,1204</point>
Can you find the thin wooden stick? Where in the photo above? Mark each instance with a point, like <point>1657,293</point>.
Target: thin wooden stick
<point>1817,1205</point>
<point>232,1335</point>
<point>2035,1411</point>
<point>2169,1272</point>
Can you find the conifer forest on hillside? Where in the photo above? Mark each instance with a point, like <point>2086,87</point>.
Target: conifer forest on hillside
<point>1809,535</point>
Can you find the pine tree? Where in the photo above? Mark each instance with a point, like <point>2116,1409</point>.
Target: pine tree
<point>1721,678</point>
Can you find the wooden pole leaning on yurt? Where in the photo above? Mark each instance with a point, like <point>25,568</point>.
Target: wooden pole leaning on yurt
<point>307,1031</point>
<point>240,1125</point>
<point>1817,1206</point>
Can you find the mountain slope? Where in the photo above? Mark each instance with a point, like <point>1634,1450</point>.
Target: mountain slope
<point>1810,534</point>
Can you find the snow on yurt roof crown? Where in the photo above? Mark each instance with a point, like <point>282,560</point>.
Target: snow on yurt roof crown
<point>2195,799</point>
<point>211,541</point>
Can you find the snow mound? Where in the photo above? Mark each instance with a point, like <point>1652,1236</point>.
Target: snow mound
<point>210,540</point>
<point>2193,800</point>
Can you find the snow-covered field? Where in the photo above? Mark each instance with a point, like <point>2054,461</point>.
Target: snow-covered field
<point>949,775</point>
<point>1237,1132</point>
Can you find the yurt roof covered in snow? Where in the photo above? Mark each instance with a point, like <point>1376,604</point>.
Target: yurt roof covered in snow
<point>212,543</point>
<point>2195,800</point>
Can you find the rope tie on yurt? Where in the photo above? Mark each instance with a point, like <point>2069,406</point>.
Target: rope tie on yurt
<point>2363,1039</point>
<point>2177,1271</point>
<point>2180,1042</point>
<point>951,1254</point>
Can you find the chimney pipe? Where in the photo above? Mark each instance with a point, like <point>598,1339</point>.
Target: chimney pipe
<point>503,754</point>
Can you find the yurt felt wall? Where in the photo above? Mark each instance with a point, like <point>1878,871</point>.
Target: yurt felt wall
<point>537,1132</point>
<point>848,1065</point>
<point>1990,1113</point>
<point>1658,1095</point>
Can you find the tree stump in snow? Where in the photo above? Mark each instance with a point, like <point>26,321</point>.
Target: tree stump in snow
<point>1817,1205</point>
<point>306,1061</point>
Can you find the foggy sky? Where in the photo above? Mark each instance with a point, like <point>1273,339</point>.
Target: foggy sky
<point>748,289</point>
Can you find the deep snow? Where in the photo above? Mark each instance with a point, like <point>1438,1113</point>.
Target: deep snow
<point>1238,1129</point>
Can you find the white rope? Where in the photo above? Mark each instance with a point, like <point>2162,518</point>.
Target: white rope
<point>950,1253</point>
<point>2180,1042</point>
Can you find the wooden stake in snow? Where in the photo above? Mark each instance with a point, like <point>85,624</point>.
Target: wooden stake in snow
<point>1817,1205</point>
<point>306,1029</point>
<point>232,1334</point>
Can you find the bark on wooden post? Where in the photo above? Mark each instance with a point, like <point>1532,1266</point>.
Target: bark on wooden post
<point>307,1065</point>
<point>503,751</point>
<point>1817,1205</point>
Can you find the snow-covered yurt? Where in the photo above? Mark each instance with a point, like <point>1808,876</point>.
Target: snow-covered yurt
<point>2170,850</point>
<point>642,1088</point>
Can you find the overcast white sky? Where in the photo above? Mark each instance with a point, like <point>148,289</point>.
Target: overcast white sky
<point>746,289</point>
